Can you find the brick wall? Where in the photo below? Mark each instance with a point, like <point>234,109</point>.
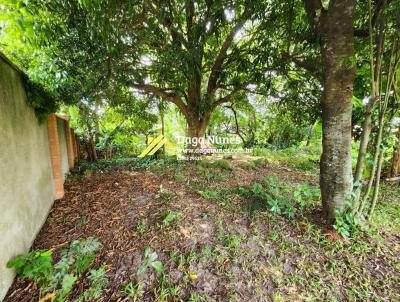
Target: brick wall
<point>70,145</point>
<point>55,155</point>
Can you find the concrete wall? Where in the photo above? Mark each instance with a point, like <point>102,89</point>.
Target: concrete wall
<point>26,180</point>
<point>63,146</point>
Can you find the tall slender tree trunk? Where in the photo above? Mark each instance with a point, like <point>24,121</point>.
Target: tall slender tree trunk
<point>78,147</point>
<point>362,154</point>
<point>395,170</point>
<point>91,148</point>
<point>375,59</point>
<point>163,129</point>
<point>379,147</point>
<point>337,48</point>
<point>310,133</point>
<point>364,141</point>
<point>377,184</point>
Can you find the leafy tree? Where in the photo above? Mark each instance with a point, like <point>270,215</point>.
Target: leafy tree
<point>195,54</point>
<point>208,57</point>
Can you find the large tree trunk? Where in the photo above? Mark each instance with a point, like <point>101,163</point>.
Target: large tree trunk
<point>336,179</point>
<point>197,126</point>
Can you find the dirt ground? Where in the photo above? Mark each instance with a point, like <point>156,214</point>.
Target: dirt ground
<point>216,251</point>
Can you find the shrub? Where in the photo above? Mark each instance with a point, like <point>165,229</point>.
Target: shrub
<point>260,162</point>
<point>272,195</point>
<point>171,217</point>
<point>37,266</point>
<point>305,194</point>
<point>347,223</point>
<point>248,165</point>
<point>222,164</point>
<point>81,253</point>
<point>211,176</point>
<point>84,167</point>
<point>58,280</point>
<point>209,194</point>
<point>98,281</point>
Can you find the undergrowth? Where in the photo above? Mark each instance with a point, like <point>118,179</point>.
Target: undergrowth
<point>85,168</point>
<point>300,158</point>
<point>278,197</point>
<point>57,280</point>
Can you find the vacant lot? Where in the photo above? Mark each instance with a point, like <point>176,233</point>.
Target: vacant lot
<point>217,239</point>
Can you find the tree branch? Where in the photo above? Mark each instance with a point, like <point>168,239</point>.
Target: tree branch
<point>236,123</point>
<point>162,93</point>
<point>216,68</point>
<point>309,66</point>
<point>189,9</point>
<point>227,98</point>
<point>314,10</point>
<point>364,32</point>
<point>176,36</point>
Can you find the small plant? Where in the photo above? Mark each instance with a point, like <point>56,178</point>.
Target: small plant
<point>273,195</point>
<point>171,217</point>
<point>248,166</point>
<point>204,164</point>
<point>209,194</point>
<point>346,223</point>
<point>305,194</point>
<point>175,290</point>
<point>142,227</point>
<point>150,260</point>
<point>67,285</point>
<point>232,242</point>
<point>163,196</point>
<point>56,281</point>
<point>37,266</point>
<point>179,178</point>
<point>207,251</point>
<point>191,257</point>
<point>194,297</point>
<point>134,290</point>
<point>211,176</point>
<point>260,162</point>
<point>303,164</point>
<point>222,164</point>
<point>205,214</point>
<point>81,253</point>
<point>98,281</point>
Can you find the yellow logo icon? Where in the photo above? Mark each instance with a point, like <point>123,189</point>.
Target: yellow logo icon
<point>155,145</point>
